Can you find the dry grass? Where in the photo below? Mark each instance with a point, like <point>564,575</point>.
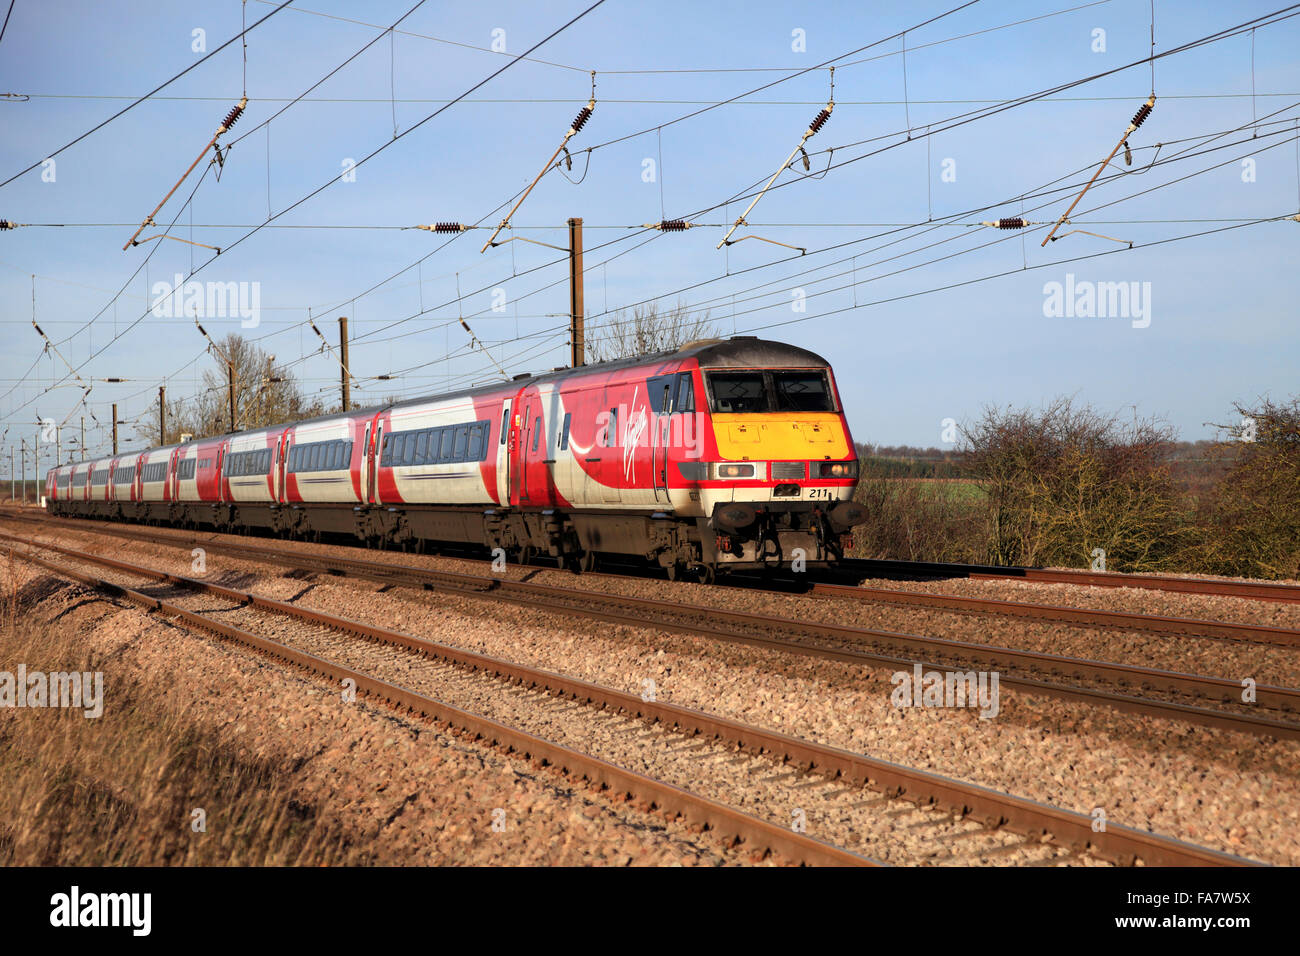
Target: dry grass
<point>121,789</point>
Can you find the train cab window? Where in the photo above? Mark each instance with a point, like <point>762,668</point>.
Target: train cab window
<point>685,399</point>
<point>564,432</point>
<point>659,393</point>
<point>804,390</point>
<point>738,391</point>
<point>537,432</point>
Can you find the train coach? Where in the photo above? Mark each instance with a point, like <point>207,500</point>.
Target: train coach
<point>722,454</point>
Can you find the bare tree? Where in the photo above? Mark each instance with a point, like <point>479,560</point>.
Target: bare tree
<point>265,394</point>
<point>647,330</point>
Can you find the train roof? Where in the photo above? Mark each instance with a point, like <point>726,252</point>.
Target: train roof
<point>741,351</point>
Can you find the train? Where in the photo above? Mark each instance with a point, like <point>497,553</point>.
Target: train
<point>720,455</point>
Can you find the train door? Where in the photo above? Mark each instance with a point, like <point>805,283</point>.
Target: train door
<point>286,441</point>
<point>528,437</point>
<point>277,471</point>
<point>503,450</point>
<point>374,443</point>
<point>517,445</point>
<point>219,476</point>
<point>366,493</point>
<point>659,401</point>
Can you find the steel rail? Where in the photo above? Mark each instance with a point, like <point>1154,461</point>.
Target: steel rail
<point>734,826</point>
<point>1187,626</point>
<point>757,630</point>
<point>994,808</point>
<point>1253,590</point>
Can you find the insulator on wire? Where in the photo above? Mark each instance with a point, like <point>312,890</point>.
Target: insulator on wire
<point>1014,223</point>
<point>670,225</point>
<point>7,224</point>
<point>568,159</point>
<point>233,116</point>
<point>1128,154</point>
<point>807,163</point>
<point>820,120</point>
<point>580,120</point>
<point>444,227</point>
<point>1143,112</point>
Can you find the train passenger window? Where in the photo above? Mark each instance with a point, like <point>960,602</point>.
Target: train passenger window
<point>685,400</point>
<point>475,450</point>
<point>444,444</point>
<point>805,390</point>
<point>462,442</point>
<point>537,432</point>
<point>421,447</point>
<point>408,449</point>
<point>340,455</point>
<point>564,432</point>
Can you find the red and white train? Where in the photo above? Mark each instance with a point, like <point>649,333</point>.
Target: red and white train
<point>722,454</point>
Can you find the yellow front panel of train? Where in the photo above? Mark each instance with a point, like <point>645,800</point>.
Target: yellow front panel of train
<point>780,436</point>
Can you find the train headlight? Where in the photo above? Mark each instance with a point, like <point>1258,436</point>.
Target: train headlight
<point>735,470</point>
<point>838,469</point>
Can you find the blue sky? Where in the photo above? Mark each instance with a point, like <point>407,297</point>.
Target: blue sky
<point>1222,307</point>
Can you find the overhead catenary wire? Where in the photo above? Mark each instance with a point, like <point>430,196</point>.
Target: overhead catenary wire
<point>383,146</point>
<point>146,96</point>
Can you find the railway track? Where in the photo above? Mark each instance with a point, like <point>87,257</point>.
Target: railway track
<point>953,814</point>
<point>1048,613</point>
<point>1252,590</point>
<point>1154,623</point>
<point>1097,683</point>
